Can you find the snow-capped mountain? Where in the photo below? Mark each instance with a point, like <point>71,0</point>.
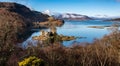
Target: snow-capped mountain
<point>71,16</point>
<point>47,12</point>
<point>66,16</point>
<point>74,16</point>
<point>103,17</point>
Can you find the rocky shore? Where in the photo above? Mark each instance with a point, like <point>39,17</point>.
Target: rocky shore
<point>52,36</point>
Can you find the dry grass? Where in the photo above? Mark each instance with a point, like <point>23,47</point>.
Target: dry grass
<point>102,52</point>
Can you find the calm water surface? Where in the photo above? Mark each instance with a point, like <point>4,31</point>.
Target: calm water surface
<point>79,29</point>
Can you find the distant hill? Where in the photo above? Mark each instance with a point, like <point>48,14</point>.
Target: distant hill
<point>100,17</point>
<point>72,16</point>
<point>67,16</point>
<point>116,19</point>
<point>105,18</point>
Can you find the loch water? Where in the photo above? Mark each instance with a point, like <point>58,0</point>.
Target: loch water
<point>89,30</point>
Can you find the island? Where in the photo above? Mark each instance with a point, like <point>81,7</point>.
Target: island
<point>47,24</point>
<point>52,36</point>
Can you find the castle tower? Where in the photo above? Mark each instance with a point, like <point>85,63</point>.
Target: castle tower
<point>42,32</point>
<point>53,29</point>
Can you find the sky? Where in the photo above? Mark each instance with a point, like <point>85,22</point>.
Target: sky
<point>84,7</point>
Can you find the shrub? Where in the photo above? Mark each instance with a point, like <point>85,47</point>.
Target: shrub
<point>32,61</point>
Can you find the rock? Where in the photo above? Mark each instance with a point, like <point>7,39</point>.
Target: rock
<point>67,38</point>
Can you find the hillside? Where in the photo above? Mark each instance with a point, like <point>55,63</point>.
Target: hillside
<point>71,16</point>
<point>67,16</point>
<point>117,19</point>
<point>16,21</point>
<point>24,11</point>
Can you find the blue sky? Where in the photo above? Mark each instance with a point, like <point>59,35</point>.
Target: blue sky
<point>85,7</point>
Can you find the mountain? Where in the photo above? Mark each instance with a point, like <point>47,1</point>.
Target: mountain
<point>16,21</point>
<point>12,10</point>
<point>115,19</point>
<point>13,21</point>
<point>72,16</point>
<point>105,17</point>
<point>100,17</point>
<point>47,12</point>
<point>66,16</point>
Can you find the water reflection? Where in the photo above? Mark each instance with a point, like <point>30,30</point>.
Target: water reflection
<point>81,28</point>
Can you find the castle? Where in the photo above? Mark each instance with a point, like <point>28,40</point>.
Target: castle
<point>45,35</point>
<point>52,36</point>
